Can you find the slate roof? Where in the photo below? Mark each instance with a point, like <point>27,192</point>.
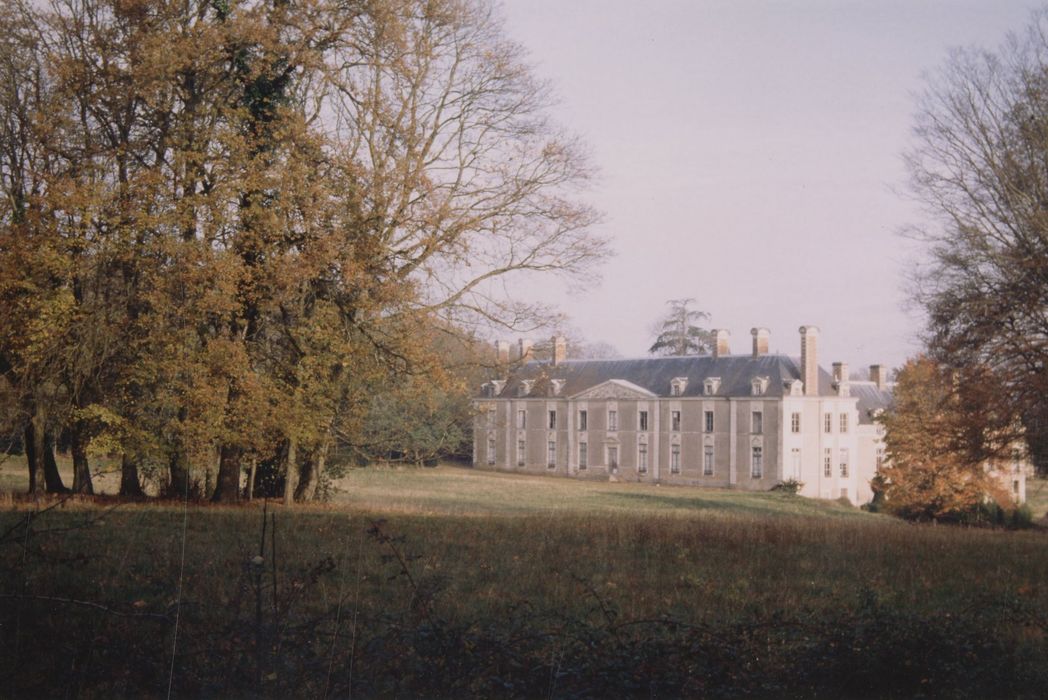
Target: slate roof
<point>736,373</point>
<point>871,399</point>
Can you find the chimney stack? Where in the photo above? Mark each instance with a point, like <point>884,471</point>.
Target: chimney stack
<point>760,341</point>
<point>810,359</point>
<point>879,376</point>
<point>840,372</point>
<point>502,352</point>
<point>524,350</point>
<point>560,349</point>
<point>721,343</point>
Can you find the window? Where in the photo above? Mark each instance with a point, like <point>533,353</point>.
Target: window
<point>757,423</point>
<point>613,420</point>
<point>582,420</point>
<point>522,419</point>
<point>880,457</point>
<point>613,458</point>
<point>1015,488</point>
<point>795,458</point>
<point>757,462</point>
<point>491,417</point>
<point>491,450</point>
<point>1017,462</point>
<point>844,492</point>
<point>521,452</point>
<point>827,423</point>
<point>583,455</point>
<point>711,385</point>
<point>708,421</point>
<point>678,385</point>
<point>844,422</point>
<point>844,462</point>
<point>707,460</point>
<point>675,459</point>
<point>551,454</point>
<point>642,458</point>
<point>795,423</point>
<point>675,421</point>
<point>827,461</point>
<point>675,389</point>
<point>642,421</point>
<point>552,420</point>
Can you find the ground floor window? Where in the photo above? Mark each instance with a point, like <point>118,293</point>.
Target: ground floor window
<point>491,450</point>
<point>675,459</point>
<point>757,462</point>
<point>707,461</point>
<point>642,458</point>
<point>613,458</point>
<point>551,454</point>
<point>583,455</point>
<point>844,463</point>
<point>827,461</point>
<point>522,449</point>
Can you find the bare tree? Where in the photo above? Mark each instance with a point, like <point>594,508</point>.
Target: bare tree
<point>980,165</point>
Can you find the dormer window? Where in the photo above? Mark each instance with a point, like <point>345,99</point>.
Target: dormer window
<point>492,389</point>
<point>678,385</point>
<point>795,387</point>
<point>711,386</point>
<point>525,387</point>
<point>556,385</point>
<point>759,386</point>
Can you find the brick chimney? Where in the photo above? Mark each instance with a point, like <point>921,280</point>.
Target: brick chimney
<point>501,352</point>
<point>840,378</point>
<point>879,376</point>
<point>524,350</point>
<point>810,359</point>
<point>760,341</point>
<point>721,343</point>
<point>560,349</point>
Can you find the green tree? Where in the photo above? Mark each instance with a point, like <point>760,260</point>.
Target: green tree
<point>678,332</point>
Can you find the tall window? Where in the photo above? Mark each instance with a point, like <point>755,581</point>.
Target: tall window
<point>675,459</point>
<point>827,461</point>
<point>491,450</point>
<point>707,460</point>
<point>642,420</point>
<point>708,421</point>
<point>582,420</point>
<point>795,423</point>
<point>844,462</point>
<point>583,456</point>
<point>827,423</point>
<point>521,452</point>
<point>757,423</point>
<point>675,421</point>
<point>613,420</point>
<point>491,417</point>
<point>757,463</point>
<point>522,418</point>
<point>552,420</point>
<point>613,458</point>
<point>551,454</point>
<point>642,458</point>
<point>795,457</point>
<point>844,422</point>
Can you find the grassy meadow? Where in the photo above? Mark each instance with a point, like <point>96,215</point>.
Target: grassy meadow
<point>453,582</point>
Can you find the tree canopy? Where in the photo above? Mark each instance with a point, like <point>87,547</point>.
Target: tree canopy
<point>678,332</point>
<point>225,225</point>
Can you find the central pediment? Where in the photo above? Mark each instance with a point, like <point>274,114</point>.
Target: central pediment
<point>614,389</point>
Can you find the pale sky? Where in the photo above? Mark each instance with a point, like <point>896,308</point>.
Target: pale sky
<point>750,157</point>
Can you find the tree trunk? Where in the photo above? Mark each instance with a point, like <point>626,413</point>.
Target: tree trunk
<point>34,454</point>
<point>81,468</point>
<point>52,478</point>
<point>307,486</point>
<point>178,473</point>
<point>227,489</point>
<point>290,473</point>
<point>252,473</point>
<point>130,485</point>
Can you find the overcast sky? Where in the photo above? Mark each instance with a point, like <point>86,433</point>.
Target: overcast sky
<point>749,157</point>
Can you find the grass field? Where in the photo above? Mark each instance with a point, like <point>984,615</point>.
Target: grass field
<point>452,582</point>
